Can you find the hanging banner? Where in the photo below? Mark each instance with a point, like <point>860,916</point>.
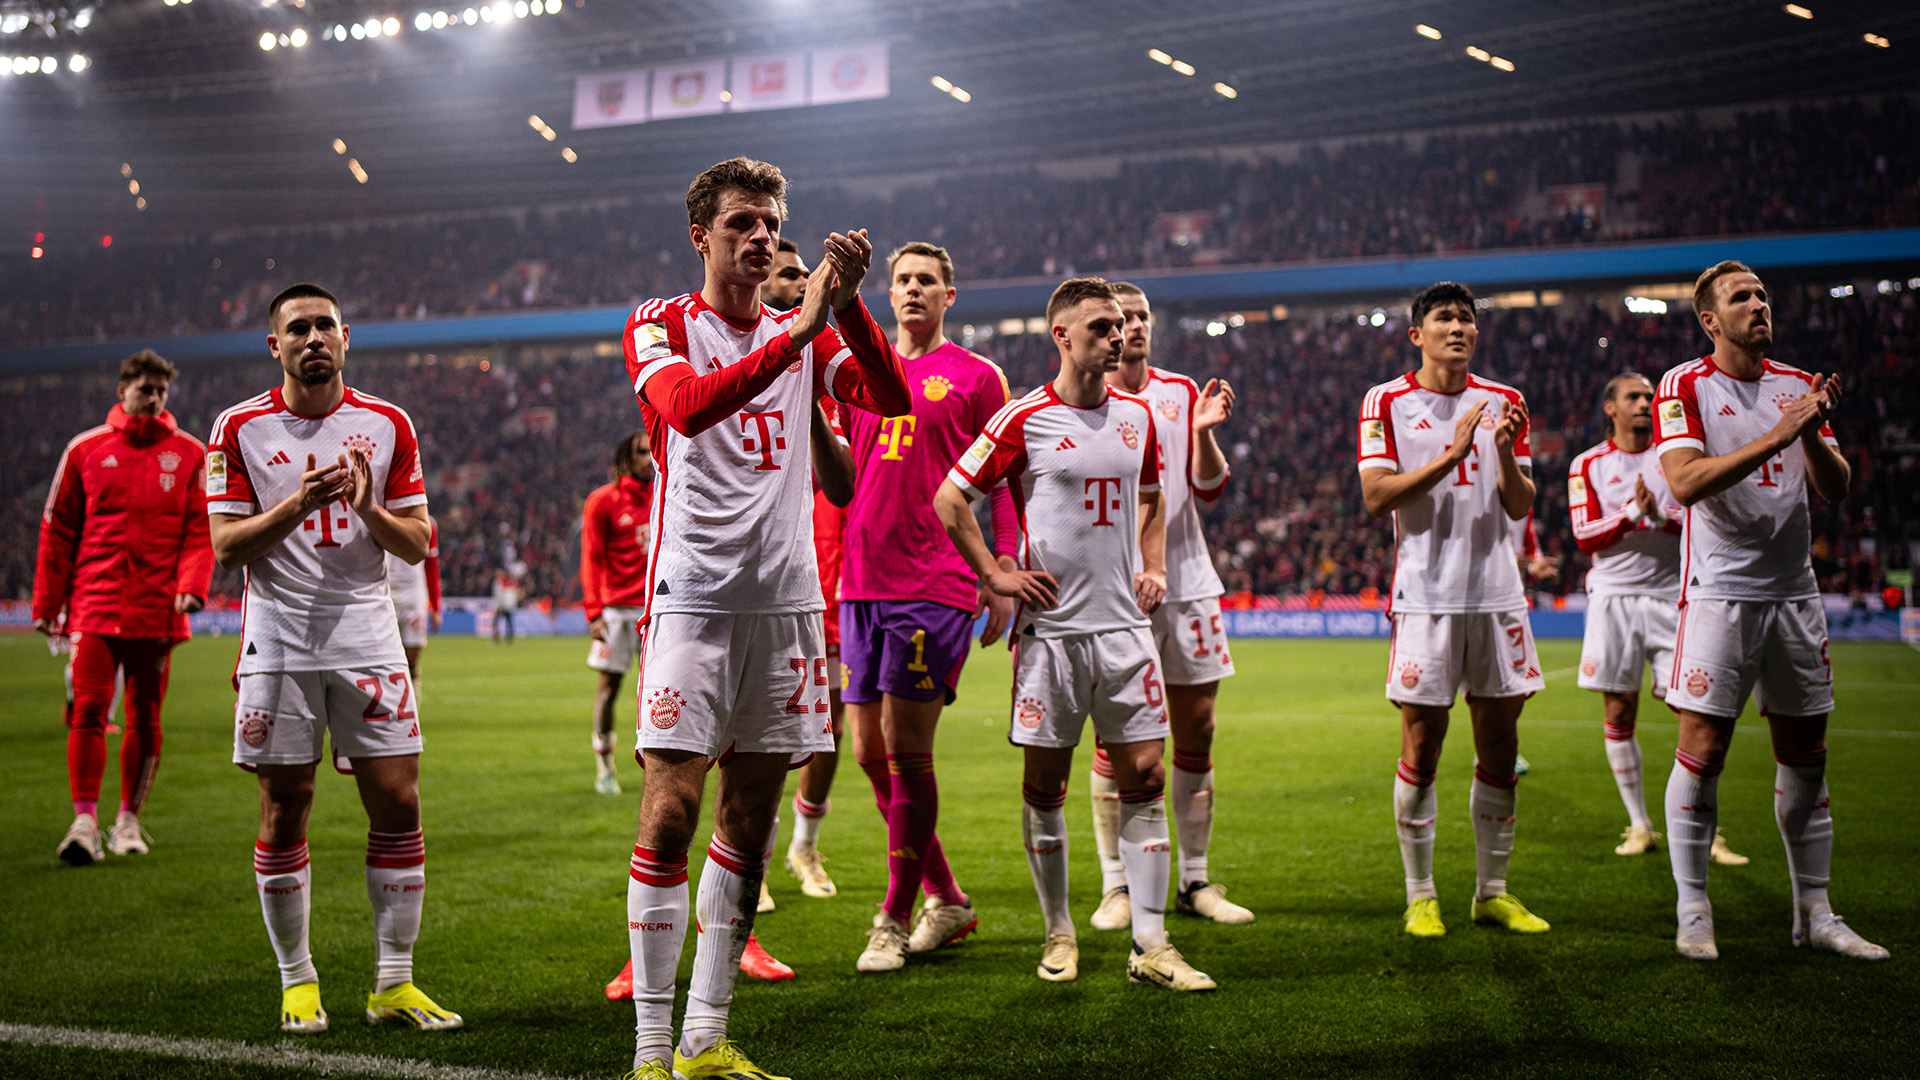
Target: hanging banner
<point>852,73</point>
<point>688,90</point>
<point>606,100</point>
<point>768,81</point>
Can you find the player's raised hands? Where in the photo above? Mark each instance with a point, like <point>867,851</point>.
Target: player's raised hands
<point>322,486</point>
<point>359,466</point>
<point>1804,415</point>
<point>1513,419</point>
<point>814,300</point>
<point>1826,388</point>
<point>1149,588</point>
<point>850,253</point>
<point>1036,588</point>
<point>1464,431</point>
<point>1215,406</point>
<point>1649,505</point>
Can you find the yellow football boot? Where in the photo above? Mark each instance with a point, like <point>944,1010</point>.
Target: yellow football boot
<point>1504,910</point>
<point>1423,918</point>
<point>408,1005</point>
<point>300,1010</point>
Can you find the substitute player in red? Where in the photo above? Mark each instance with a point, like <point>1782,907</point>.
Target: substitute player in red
<point>1625,518</point>
<point>1741,438</point>
<point>309,487</point>
<point>1445,452</point>
<point>1187,631</point>
<point>910,601</point>
<point>124,553</point>
<point>615,535</point>
<point>733,668</point>
<point>1083,458</point>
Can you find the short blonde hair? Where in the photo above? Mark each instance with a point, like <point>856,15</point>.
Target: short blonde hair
<point>931,251</point>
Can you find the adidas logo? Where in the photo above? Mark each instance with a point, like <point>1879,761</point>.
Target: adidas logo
<point>1423,425</point>
<point>926,683</point>
<point>1065,444</point>
<point>111,462</point>
<point>280,458</point>
<point>251,651</point>
<point>1727,410</point>
<point>662,590</point>
<point>1616,479</point>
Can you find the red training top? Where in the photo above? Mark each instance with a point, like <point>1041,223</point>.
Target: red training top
<point>614,540</point>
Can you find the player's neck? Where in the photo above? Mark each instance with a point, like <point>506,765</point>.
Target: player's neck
<point>1441,377</point>
<point>1132,376</point>
<point>913,342</point>
<point>1632,442</point>
<point>306,400</point>
<point>1078,387</point>
<point>733,300</point>
<point>1738,362</point>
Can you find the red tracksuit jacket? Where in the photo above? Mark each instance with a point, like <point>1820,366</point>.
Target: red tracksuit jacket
<point>614,545</point>
<point>125,530</point>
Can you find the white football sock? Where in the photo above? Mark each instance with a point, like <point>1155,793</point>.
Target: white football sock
<point>1491,801</point>
<point>806,822</point>
<point>1800,807</point>
<point>1045,826</point>
<point>285,883</point>
<point>656,932</point>
<point>1623,754</point>
<point>1144,849</point>
<point>1105,793</point>
<point>1415,806</point>
<point>1693,812</point>
<point>729,895</point>
<point>1190,789</point>
<point>603,746</point>
<point>397,887</point>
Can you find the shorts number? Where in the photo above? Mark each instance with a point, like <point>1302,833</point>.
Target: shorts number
<point>919,662</point>
<point>1155,696</point>
<point>1200,649</point>
<point>799,666</point>
<point>1517,635</point>
<point>371,686</point>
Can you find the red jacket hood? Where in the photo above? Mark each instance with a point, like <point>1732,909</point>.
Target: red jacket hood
<point>141,430</point>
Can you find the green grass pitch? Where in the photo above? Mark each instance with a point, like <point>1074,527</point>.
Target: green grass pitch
<point>524,919</point>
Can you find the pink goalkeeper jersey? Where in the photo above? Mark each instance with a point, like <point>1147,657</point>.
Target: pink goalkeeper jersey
<point>895,546</point>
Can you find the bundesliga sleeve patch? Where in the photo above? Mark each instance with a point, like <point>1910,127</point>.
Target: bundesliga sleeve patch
<point>1373,438</point>
<point>650,342</point>
<point>1673,418</point>
<point>1576,490</point>
<point>216,472</point>
<point>976,456</point>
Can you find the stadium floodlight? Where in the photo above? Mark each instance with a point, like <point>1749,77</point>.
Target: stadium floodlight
<point>1878,42</point>
<point>1798,12</point>
<point>942,85</point>
<point>339,146</point>
<point>37,252</point>
<point>1159,57</point>
<point>1182,67</point>
<point>141,203</point>
<point>359,32</point>
<point>126,169</point>
<point>440,20</point>
<point>298,39</point>
<point>1225,91</point>
<point>1479,53</point>
<point>1426,31</point>
<point>84,19</point>
<point>1215,328</point>
<point>286,41</point>
<point>373,28</point>
<point>1501,62</point>
<point>1645,305</point>
<point>423,21</point>
<point>519,9</point>
<point>133,187</point>
<point>76,63</point>
<point>170,3</point>
<point>353,166</point>
<point>961,96</point>
<point>469,16</point>
<point>49,65</point>
<point>553,7</point>
<point>390,27</point>
<point>567,153</point>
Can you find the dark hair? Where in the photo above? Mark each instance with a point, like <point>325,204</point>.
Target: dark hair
<point>1613,384</point>
<point>1438,294</point>
<point>1703,285</point>
<point>741,174</point>
<point>1073,291</point>
<point>931,251</point>
<point>143,363</point>
<point>623,452</point>
<point>1127,288</point>
<point>788,245</point>
<point>295,292</point>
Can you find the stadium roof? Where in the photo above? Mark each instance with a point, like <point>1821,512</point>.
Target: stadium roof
<point>222,132</point>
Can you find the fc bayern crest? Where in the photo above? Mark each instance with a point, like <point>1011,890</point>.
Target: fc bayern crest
<point>253,728</point>
<point>663,708</point>
<point>361,441</point>
<point>1030,712</point>
<point>1130,436</point>
<point>1589,668</point>
<point>609,96</point>
<point>1410,675</point>
<point>1170,409</point>
<point>169,461</point>
<point>1698,681</point>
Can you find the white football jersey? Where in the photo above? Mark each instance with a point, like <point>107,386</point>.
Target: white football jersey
<point>1190,573</point>
<point>1753,540</point>
<point>732,505</point>
<point>1453,552</point>
<point>319,600</point>
<point>408,584</point>
<point>1640,558</point>
<point>1076,477</point>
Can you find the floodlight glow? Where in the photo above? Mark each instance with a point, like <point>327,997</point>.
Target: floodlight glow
<point>1645,305</point>
<point>390,27</point>
<point>1798,12</point>
<point>422,21</point>
<point>1501,62</point>
<point>469,16</point>
<point>284,40</point>
<point>49,65</point>
<point>486,14</point>
<point>373,28</point>
<point>439,20</point>
<point>170,3</point>
<point>567,153</point>
<point>1426,31</point>
<point>339,146</point>
<point>133,187</point>
<point>942,85</point>
<point>126,169</point>
<point>519,9</point>
<point>1216,328</point>
<point>1183,67</point>
<point>553,7</point>
<point>28,65</point>
<point>1159,57</point>
<point>1225,91</point>
<point>298,38</point>
<point>353,166</point>
<point>1479,53</point>
<point>76,62</point>
<point>359,32</point>
<point>141,203</point>
<point>37,252</point>
<point>1878,42</point>
<point>84,19</point>
<point>961,96</point>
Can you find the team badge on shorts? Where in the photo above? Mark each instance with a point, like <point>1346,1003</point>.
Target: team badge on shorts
<point>1129,436</point>
<point>1698,681</point>
<point>1410,675</point>
<point>1589,667</point>
<point>253,728</point>
<point>1030,712</point>
<point>663,708</point>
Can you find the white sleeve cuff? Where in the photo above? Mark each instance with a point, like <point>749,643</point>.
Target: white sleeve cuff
<point>1682,442</point>
<point>242,509</point>
<point>405,501</point>
<point>655,368</point>
<point>1386,463</point>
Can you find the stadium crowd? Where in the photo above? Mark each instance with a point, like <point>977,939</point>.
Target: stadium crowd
<point>511,450</point>
<point>1847,165</point>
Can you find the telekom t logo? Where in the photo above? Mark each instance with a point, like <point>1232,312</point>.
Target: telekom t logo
<point>1471,463</point>
<point>768,430</point>
<point>896,433</point>
<point>1770,468</point>
<point>326,525</point>
<point>1107,498</point>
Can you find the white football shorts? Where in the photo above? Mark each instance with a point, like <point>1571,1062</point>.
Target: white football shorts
<point>726,684</point>
<point>413,623</point>
<point>283,717</point>
<point>1059,682</point>
<point>1775,650</point>
<point>615,654</point>
<point>1625,634</point>
<point>1192,643</point>
<point>1488,654</point>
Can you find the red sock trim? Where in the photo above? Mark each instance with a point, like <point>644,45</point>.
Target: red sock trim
<point>1507,783</point>
<point>1697,766</point>
<point>1136,798</point>
<point>651,867</point>
<point>1618,732</point>
<point>1044,800</point>
<point>279,860</point>
<point>1193,763</point>
<point>1102,765</point>
<point>1412,775</point>
<point>396,851</point>
<point>733,859</point>
<point>1813,759</point>
<point>810,810</point>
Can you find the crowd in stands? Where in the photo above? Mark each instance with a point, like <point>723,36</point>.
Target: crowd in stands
<point>1850,165</point>
<point>511,451</point>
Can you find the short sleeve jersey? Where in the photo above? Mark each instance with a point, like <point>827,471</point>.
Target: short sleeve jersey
<point>1190,573</point>
<point>319,600</point>
<point>1638,558</point>
<point>1753,540</point>
<point>1452,550</point>
<point>732,505</point>
<point>1077,476</point>
<point>896,547</point>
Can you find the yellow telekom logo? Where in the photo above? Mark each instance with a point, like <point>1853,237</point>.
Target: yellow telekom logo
<point>896,433</point>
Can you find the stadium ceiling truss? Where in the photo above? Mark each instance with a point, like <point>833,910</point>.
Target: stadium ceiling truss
<point>224,131</point>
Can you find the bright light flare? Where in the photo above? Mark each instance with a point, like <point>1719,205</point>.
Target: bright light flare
<point>1159,57</point>
<point>566,152</point>
<point>390,27</point>
<point>77,63</point>
<point>298,39</point>
<point>1479,53</point>
<point>1878,42</point>
<point>353,166</point>
<point>267,43</point>
<point>1798,12</point>
<point>1501,62</point>
<point>1225,91</point>
<point>133,187</point>
<point>339,146</point>
<point>942,85</point>
<point>1182,67</point>
<point>1426,31</point>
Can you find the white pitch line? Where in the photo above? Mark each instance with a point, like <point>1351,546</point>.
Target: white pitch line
<point>283,1055</point>
<point>1387,716</point>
